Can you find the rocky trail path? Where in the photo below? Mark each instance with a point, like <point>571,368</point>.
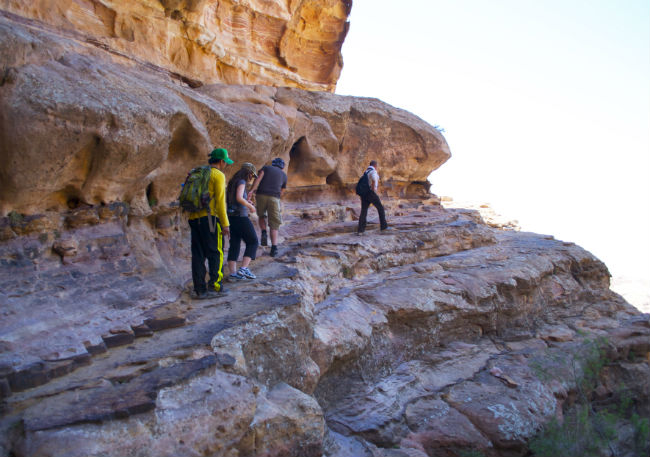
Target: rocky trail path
<point>124,377</point>
<point>423,340</point>
<point>365,338</point>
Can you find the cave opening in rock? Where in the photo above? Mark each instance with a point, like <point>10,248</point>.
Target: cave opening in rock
<point>73,202</point>
<point>151,195</point>
<point>70,196</point>
<point>299,157</point>
<point>333,179</point>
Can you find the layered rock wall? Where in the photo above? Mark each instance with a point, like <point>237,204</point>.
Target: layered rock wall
<point>423,340</point>
<point>94,152</point>
<point>76,128</point>
<point>293,43</point>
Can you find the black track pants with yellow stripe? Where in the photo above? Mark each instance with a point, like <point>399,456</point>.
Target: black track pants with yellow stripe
<point>206,245</point>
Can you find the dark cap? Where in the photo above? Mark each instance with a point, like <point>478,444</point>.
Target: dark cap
<point>219,154</point>
<point>278,162</point>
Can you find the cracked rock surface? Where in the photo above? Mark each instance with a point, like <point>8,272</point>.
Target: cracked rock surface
<point>428,339</point>
<point>421,340</point>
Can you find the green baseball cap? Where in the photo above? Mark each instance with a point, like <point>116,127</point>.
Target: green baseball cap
<point>220,154</point>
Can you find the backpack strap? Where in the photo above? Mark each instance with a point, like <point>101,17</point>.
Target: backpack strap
<point>367,175</point>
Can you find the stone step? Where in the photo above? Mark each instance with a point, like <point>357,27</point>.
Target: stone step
<point>125,380</point>
<point>440,339</point>
<point>68,335</point>
<point>414,312</point>
<point>509,290</point>
<point>417,300</point>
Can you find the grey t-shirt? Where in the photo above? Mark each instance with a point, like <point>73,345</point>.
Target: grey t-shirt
<point>235,208</point>
<point>273,182</point>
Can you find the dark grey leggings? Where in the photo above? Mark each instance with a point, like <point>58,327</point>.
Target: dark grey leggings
<point>371,198</point>
<point>241,228</point>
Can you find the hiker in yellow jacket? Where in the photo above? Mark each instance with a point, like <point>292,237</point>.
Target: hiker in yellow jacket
<point>208,232</point>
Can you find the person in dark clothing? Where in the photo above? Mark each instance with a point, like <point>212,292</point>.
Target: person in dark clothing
<point>371,197</point>
<point>207,234</point>
<point>268,189</point>
<point>241,227</point>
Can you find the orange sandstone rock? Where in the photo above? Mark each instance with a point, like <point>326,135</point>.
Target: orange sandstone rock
<point>79,125</point>
<point>280,43</point>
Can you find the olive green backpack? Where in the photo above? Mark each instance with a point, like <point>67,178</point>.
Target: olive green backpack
<point>195,194</point>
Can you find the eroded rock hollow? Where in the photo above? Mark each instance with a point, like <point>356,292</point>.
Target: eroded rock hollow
<point>429,339</point>
<point>294,43</point>
<point>79,126</point>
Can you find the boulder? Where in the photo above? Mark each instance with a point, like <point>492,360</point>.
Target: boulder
<point>207,415</point>
<point>287,423</point>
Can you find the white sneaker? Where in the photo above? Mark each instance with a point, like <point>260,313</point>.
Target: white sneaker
<point>246,273</point>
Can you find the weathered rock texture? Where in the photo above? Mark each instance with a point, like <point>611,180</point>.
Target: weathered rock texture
<point>293,43</point>
<point>426,338</point>
<point>422,340</point>
<point>77,128</point>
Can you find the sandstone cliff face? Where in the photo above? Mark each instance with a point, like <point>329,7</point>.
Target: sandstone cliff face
<point>283,43</point>
<point>424,340</point>
<point>78,128</point>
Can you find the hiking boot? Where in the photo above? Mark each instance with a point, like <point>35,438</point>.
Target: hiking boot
<point>264,241</point>
<point>204,295</point>
<point>246,273</point>
<point>274,251</point>
<point>235,276</point>
<point>218,287</point>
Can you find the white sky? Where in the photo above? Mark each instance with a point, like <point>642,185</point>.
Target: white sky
<point>545,103</point>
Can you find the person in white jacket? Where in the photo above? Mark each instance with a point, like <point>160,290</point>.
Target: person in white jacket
<point>371,197</point>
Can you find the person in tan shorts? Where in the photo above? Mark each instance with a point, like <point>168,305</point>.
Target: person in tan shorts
<point>270,206</point>
<point>268,189</point>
